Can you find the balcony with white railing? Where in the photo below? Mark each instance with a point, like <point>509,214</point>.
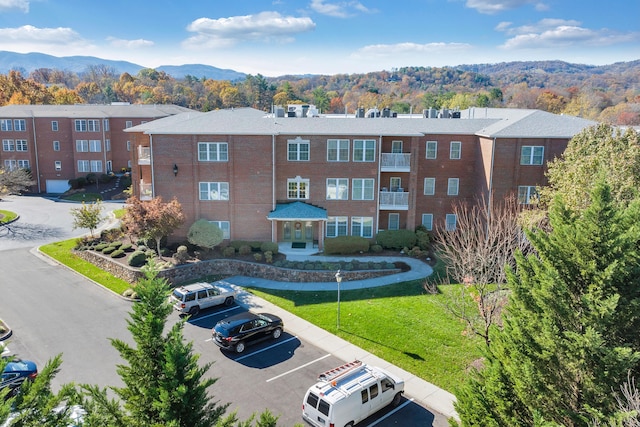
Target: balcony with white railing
<point>394,200</point>
<point>144,155</point>
<point>395,162</point>
<point>146,191</point>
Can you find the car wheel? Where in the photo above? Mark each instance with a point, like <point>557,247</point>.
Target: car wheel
<point>276,333</point>
<point>194,310</point>
<point>229,301</point>
<point>396,399</point>
<point>349,424</point>
<point>240,347</point>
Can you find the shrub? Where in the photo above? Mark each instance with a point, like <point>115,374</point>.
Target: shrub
<point>389,266</point>
<point>82,181</point>
<point>268,257</point>
<point>205,234</point>
<point>150,253</point>
<point>73,183</point>
<point>118,253</point>
<point>137,259</point>
<point>376,248</point>
<point>229,252</point>
<point>423,239</point>
<point>244,250</point>
<point>99,247</point>
<point>91,178</point>
<point>309,266</point>
<point>108,250</point>
<point>269,247</point>
<point>116,244</point>
<point>278,264</point>
<point>182,255</point>
<point>127,293</point>
<point>415,252</point>
<point>257,256</point>
<point>127,247</point>
<point>104,179</point>
<point>396,239</point>
<point>345,245</point>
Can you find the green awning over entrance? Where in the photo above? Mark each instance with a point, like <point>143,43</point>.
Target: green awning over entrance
<point>297,211</point>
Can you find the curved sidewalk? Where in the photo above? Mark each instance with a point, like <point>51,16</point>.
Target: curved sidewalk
<point>421,391</point>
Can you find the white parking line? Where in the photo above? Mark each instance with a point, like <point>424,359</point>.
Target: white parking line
<point>215,314</point>
<point>266,348</point>
<point>299,367</point>
<point>391,413</point>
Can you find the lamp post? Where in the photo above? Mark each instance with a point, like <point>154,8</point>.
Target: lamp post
<point>338,280</point>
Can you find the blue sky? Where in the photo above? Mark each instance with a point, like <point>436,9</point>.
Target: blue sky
<point>325,36</point>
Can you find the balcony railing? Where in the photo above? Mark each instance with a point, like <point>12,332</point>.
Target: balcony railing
<point>144,155</point>
<point>395,162</point>
<point>394,200</point>
<point>146,192</point>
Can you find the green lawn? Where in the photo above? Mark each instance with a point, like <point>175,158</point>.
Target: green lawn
<point>7,216</point>
<point>84,197</point>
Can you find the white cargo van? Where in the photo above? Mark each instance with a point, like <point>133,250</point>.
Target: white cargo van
<point>348,394</point>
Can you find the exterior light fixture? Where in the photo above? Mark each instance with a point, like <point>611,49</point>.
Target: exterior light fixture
<point>175,169</point>
<point>338,280</point>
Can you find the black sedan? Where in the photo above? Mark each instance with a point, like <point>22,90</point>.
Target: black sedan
<point>236,332</point>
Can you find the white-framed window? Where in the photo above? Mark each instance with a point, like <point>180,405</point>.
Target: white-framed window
<point>453,186</point>
<point>10,165</point>
<point>225,226</point>
<point>297,188</point>
<point>105,124</point>
<point>57,165</point>
<point>214,190</point>
<point>6,125</point>
<point>19,125</point>
<point>362,226</point>
<point>24,164</point>
<point>455,150</point>
<point>394,221</point>
<point>362,188</point>
<point>396,147</point>
<point>128,145</point>
<point>54,125</point>
<point>297,150</point>
<point>451,221</point>
<point>213,152</point>
<point>95,145</point>
<point>364,150</point>
<point>527,194</point>
<point>84,166</point>
<point>107,145</point>
<point>531,155</point>
<point>8,145</point>
<point>431,150</point>
<point>337,226</point>
<point>82,145</point>
<point>395,183</point>
<point>109,166</point>
<point>21,145</point>
<point>427,221</point>
<point>337,188</point>
<point>80,125</point>
<point>96,166</point>
<point>429,186</point>
<point>128,124</point>
<point>93,125</point>
<point>56,145</point>
<point>337,150</point>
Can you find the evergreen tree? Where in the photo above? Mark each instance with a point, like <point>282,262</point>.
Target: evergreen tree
<point>568,331</point>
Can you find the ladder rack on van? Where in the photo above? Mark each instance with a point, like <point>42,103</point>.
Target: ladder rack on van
<point>335,373</point>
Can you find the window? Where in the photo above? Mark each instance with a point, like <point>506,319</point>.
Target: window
<point>337,188</point>
<point>54,125</point>
<point>432,149</point>
<point>5,125</point>
<point>214,190</point>
<point>395,183</point>
<point>7,145</point>
<point>20,125</point>
<point>429,186</point>
<point>80,125</point>
<point>452,186</point>
<point>394,221</point>
<point>213,151</point>
<point>362,189</point>
<point>107,145</point>
<point>56,145</point>
<point>105,124</point>
<point>128,145</point>
<point>10,165</point>
<point>57,165</point>
<point>365,395</point>
<point>225,226</point>
<point>450,222</point>
<point>455,149</point>
<point>83,166</point>
<point>298,150</point>
<point>93,125</point>
<point>297,188</point>
<point>21,145</point>
<point>362,226</point>
<point>396,147</point>
<point>23,164</point>
<point>323,407</point>
<point>531,155</point>
<point>386,384</point>
<point>128,124</point>
<point>527,194</point>
<point>337,150</point>
<point>364,150</point>
<point>373,391</point>
<point>427,221</point>
<point>337,226</point>
<point>95,145</point>
<point>82,145</point>
<point>109,166</point>
<point>96,165</point>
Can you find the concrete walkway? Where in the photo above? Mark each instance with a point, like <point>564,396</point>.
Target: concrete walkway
<point>421,391</point>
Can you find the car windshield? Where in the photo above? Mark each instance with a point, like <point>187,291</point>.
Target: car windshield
<point>177,294</point>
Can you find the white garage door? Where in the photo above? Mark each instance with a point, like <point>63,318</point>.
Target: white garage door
<point>57,186</point>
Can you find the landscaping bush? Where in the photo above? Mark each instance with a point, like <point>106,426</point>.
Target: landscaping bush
<point>423,238</point>
<point>116,244</point>
<point>182,255</point>
<point>345,245</point>
<point>118,253</point>
<point>376,249</point>
<point>269,247</point>
<point>245,250</point>
<point>257,256</point>
<point>229,252</point>
<point>268,257</point>
<point>99,247</point>
<point>396,239</point>
<point>74,183</point>
<point>137,259</point>
<point>108,250</point>
<point>91,178</point>
<point>205,234</point>
<point>127,247</point>
<point>104,179</point>
<point>82,181</point>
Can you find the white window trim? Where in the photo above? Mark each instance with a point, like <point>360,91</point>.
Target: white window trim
<point>299,181</point>
<point>338,182</point>
<point>451,222</point>
<point>433,187</point>
<point>225,226</point>
<point>453,186</point>
<point>363,194</point>
<point>361,220</point>
<point>427,221</point>
<point>339,143</point>
<point>532,156</point>
<point>216,191</point>
<point>526,193</point>
<point>214,152</point>
<point>453,151</point>
<point>368,146</point>
<point>339,223</point>
<point>395,221</point>
<point>298,143</point>
<point>435,150</point>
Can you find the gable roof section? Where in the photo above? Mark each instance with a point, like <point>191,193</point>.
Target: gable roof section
<point>84,111</point>
<point>537,124</point>
<point>297,211</point>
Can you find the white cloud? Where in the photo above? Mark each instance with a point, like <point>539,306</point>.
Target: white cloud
<point>265,26</point>
<point>129,44</point>
<point>408,48</point>
<point>496,6</point>
<point>28,34</point>
<point>14,4</point>
<point>338,10</point>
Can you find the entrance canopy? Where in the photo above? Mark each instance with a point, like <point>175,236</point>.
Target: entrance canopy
<point>297,211</point>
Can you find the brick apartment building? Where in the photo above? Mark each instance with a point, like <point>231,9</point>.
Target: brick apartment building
<point>61,142</point>
<point>300,176</point>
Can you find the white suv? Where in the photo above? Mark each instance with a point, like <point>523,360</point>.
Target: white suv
<point>190,299</point>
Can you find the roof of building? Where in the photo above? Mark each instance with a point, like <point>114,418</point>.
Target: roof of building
<point>297,211</point>
<point>487,122</point>
<point>85,111</point>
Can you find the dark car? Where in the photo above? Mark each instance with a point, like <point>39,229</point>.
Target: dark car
<point>236,332</point>
<point>16,372</point>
